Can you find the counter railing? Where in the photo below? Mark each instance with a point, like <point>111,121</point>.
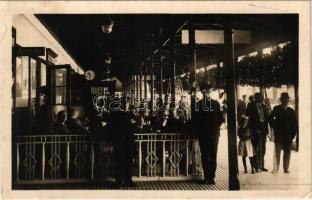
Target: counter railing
<point>62,158</point>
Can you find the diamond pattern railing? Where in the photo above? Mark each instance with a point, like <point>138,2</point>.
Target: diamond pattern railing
<point>55,162</point>
<point>29,162</point>
<point>80,160</point>
<point>175,159</point>
<point>151,159</point>
<point>66,157</point>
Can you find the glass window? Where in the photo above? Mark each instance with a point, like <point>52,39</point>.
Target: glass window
<point>18,78</point>
<point>59,78</point>
<point>43,74</point>
<point>59,95</point>
<point>22,81</point>
<point>33,81</point>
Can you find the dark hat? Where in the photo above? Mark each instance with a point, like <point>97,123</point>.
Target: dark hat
<point>205,86</point>
<point>284,95</point>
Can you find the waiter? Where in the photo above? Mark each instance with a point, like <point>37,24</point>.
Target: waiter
<point>207,120</point>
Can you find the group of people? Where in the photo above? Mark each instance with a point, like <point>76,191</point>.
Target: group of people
<point>254,120</point>
<point>69,123</point>
<point>64,122</point>
<point>166,121</point>
<point>207,117</point>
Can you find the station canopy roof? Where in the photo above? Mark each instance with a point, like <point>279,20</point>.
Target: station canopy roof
<point>129,43</point>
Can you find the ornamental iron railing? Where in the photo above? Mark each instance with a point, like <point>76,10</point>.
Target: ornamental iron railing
<point>90,157</point>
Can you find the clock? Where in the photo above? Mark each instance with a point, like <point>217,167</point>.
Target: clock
<point>89,75</point>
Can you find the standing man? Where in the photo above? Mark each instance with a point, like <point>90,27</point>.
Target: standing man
<point>207,120</point>
<point>284,122</point>
<point>258,123</point>
<point>121,125</point>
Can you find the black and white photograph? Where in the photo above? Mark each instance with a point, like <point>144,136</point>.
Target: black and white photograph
<point>119,103</point>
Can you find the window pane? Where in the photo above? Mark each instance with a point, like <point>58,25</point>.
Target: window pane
<point>43,75</point>
<point>33,81</point>
<point>59,77</point>
<point>59,95</point>
<point>18,78</point>
<point>22,80</point>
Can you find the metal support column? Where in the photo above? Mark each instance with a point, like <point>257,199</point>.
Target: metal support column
<point>145,81</point>
<point>152,84</point>
<point>137,88</point>
<point>140,83</point>
<point>133,90</point>
<point>193,67</point>
<point>173,72</point>
<point>232,105</point>
<point>161,73</point>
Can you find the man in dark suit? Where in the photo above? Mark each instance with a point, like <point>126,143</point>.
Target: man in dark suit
<point>258,122</point>
<point>285,126</point>
<point>207,120</point>
<point>120,124</point>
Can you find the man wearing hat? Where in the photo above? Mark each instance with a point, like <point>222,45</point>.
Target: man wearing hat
<point>206,124</point>
<point>285,126</point>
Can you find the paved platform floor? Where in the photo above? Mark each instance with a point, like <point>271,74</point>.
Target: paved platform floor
<point>262,180</point>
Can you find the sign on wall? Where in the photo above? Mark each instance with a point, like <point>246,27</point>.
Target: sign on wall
<point>30,51</point>
<point>99,95</point>
<point>216,37</point>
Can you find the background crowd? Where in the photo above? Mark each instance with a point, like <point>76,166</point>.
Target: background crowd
<point>256,123</point>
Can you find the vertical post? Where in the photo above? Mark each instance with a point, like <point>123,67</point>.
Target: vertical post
<point>145,81</point>
<point>194,53</point>
<point>161,73</point>
<point>193,67</point>
<point>218,76</point>
<point>187,157</point>
<point>231,98</point>
<point>67,160</point>
<point>92,160</point>
<point>178,150</point>
<point>163,159</point>
<point>133,89</point>
<point>173,72</point>
<point>43,159</point>
<point>130,90</point>
<point>17,161</point>
<point>152,84</point>
<point>155,150</point>
<point>148,151</point>
<point>137,88</point>
<point>140,158</point>
<point>140,84</point>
